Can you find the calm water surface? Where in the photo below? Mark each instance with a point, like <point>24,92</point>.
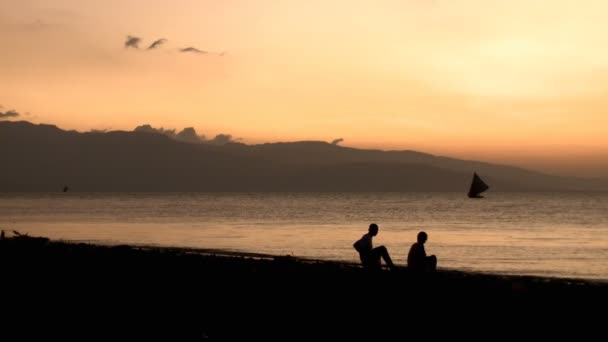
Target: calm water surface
<point>551,234</point>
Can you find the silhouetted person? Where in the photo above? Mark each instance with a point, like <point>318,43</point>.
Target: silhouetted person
<point>65,188</point>
<point>370,256</point>
<point>417,259</point>
<point>2,235</point>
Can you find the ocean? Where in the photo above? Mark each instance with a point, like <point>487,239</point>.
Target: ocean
<point>547,234</point>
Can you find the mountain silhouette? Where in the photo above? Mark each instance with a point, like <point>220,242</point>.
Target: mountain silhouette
<point>41,157</point>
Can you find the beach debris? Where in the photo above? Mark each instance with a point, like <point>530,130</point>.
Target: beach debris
<point>17,236</point>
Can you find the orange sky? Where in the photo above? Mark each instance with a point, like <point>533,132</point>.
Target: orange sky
<point>517,82</point>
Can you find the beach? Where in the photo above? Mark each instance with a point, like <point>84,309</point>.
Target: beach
<point>198,294</point>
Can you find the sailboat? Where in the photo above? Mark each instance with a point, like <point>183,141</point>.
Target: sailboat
<point>477,187</point>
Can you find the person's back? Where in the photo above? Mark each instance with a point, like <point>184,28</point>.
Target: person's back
<point>364,245</point>
<point>416,258</point>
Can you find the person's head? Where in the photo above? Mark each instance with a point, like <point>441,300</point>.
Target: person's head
<point>422,237</point>
<point>373,229</point>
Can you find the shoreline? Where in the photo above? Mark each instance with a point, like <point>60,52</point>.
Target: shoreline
<point>267,256</point>
<point>253,256</point>
<point>185,294</point>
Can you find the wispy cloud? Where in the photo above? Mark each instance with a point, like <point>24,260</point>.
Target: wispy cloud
<point>157,43</point>
<point>132,42</point>
<point>39,25</point>
<point>193,50</point>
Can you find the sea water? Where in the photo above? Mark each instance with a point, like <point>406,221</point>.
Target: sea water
<point>549,234</point>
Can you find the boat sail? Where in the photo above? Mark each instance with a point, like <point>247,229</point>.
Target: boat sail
<point>477,187</point>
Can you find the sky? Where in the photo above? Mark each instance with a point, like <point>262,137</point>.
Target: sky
<point>511,82</point>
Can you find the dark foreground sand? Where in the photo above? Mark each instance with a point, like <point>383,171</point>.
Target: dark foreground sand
<point>57,290</point>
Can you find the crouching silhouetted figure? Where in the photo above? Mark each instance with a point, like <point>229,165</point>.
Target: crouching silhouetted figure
<point>417,260</point>
<point>370,256</point>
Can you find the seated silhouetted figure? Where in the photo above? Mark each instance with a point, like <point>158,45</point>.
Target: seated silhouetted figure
<point>417,260</point>
<point>370,256</point>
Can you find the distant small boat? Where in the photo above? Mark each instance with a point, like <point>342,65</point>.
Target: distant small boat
<point>477,187</point>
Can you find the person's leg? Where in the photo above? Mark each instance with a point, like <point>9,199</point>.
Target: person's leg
<point>383,252</point>
<point>371,261</point>
<point>431,263</point>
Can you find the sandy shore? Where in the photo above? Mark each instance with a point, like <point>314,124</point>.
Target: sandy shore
<point>198,294</point>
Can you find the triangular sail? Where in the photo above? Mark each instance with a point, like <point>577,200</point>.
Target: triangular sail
<point>477,186</point>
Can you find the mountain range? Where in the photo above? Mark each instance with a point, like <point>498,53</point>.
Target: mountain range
<point>45,158</point>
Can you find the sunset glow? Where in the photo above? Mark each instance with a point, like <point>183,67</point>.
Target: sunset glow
<point>512,82</point>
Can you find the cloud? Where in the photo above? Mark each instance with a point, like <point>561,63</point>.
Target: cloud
<point>337,141</point>
<point>221,139</point>
<point>157,43</point>
<point>132,42</point>
<point>193,50</point>
<point>39,25</point>
<point>103,130</point>
<point>9,114</point>
<point>149,129</point>
<point>188,134</point>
